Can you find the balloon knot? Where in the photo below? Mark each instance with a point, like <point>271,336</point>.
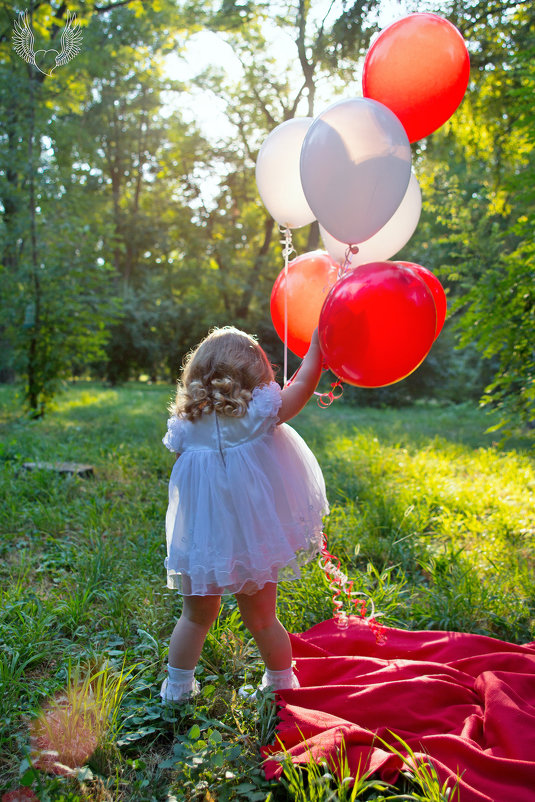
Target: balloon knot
<point>286,242</point>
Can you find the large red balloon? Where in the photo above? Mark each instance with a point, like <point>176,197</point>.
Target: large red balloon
<point>310,277</point>
<point>439,296</point>
<point>419,68</point>
<point>377,324</point>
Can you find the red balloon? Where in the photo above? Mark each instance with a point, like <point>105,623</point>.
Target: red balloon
<point>310,277</point>
<point>377,324</point>
<point>439,296</point>
<point>419,68</point>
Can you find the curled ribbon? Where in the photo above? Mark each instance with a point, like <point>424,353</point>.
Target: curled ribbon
<point>342,590</point>
<point>326,399</point>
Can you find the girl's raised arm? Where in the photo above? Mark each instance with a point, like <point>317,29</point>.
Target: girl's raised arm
<point>295,396</point>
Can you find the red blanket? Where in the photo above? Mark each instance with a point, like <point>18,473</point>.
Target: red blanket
<point>465,701</point>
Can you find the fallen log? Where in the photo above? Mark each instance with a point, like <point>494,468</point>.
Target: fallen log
<point>72,468</point>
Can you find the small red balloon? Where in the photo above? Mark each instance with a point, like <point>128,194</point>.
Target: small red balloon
<point>310,277</point>
<point>377,324</point>
<point>439,296</point>
<point>419,68</point>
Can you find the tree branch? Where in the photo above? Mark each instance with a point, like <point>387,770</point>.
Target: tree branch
<point>307,66</point>
<point>296,101</point>
<point>498,8</point>
<point>269,117</point>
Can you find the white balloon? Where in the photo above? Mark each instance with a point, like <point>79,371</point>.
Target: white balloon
<point>278,177</point>
<point>355,168</point>
<point>389,239</point>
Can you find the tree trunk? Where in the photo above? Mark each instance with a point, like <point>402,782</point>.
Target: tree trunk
<point>243,307</point>
<point>10,252</point>
<point>35,387</point>
<point>313,236</point>
<point>308,66</point>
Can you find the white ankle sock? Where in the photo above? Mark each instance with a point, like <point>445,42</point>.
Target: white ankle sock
<point>179,684</point>
<point>180,675</point>
<point>279,680</point>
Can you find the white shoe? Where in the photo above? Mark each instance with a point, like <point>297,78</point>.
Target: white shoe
<point>173,692</point>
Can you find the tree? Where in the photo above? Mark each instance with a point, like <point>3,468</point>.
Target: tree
<point>502,307</point>
<point>476,176</point>
<point>56,311</point>
<point>144,165</point>
<point>60,285</point>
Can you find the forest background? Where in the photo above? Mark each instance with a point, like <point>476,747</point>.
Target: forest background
<point>130,221</point>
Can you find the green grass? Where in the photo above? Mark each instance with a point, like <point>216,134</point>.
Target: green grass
<point>429,516</point>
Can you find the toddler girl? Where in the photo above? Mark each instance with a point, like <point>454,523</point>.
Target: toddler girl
<point>246,499</point>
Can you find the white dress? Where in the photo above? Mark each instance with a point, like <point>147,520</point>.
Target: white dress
<point>246,500</point>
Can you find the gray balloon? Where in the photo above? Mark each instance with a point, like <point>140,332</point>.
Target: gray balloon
<point>355,168</point>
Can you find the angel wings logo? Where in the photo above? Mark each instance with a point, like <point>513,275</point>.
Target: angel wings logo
<point>46,61</point>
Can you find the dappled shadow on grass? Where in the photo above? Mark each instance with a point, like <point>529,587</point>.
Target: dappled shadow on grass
<point>90,423</point>
<point>127,401</point>
<point>86,402</point>
<point>412,426</point>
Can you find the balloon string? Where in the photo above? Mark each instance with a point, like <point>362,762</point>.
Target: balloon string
<point>291,379</point>
<point>342,590</point>
<point>287,250</point>
<point>324,399</point>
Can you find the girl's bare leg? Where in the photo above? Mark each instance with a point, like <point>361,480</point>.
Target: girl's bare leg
<point>189,634</point>
<point>259,614</point>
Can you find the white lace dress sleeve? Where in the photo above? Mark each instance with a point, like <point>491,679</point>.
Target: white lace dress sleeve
<point>266,402</point>
<point>174,438</point>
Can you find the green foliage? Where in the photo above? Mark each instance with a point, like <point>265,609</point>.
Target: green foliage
<point>324,781</point>
<point>126,234</point>
<point>171,259</point>
<point>84,217</point>
<point>421,772</point>
<point>476,175</point>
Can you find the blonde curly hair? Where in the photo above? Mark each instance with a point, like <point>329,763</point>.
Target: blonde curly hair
<point>220,374</point>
